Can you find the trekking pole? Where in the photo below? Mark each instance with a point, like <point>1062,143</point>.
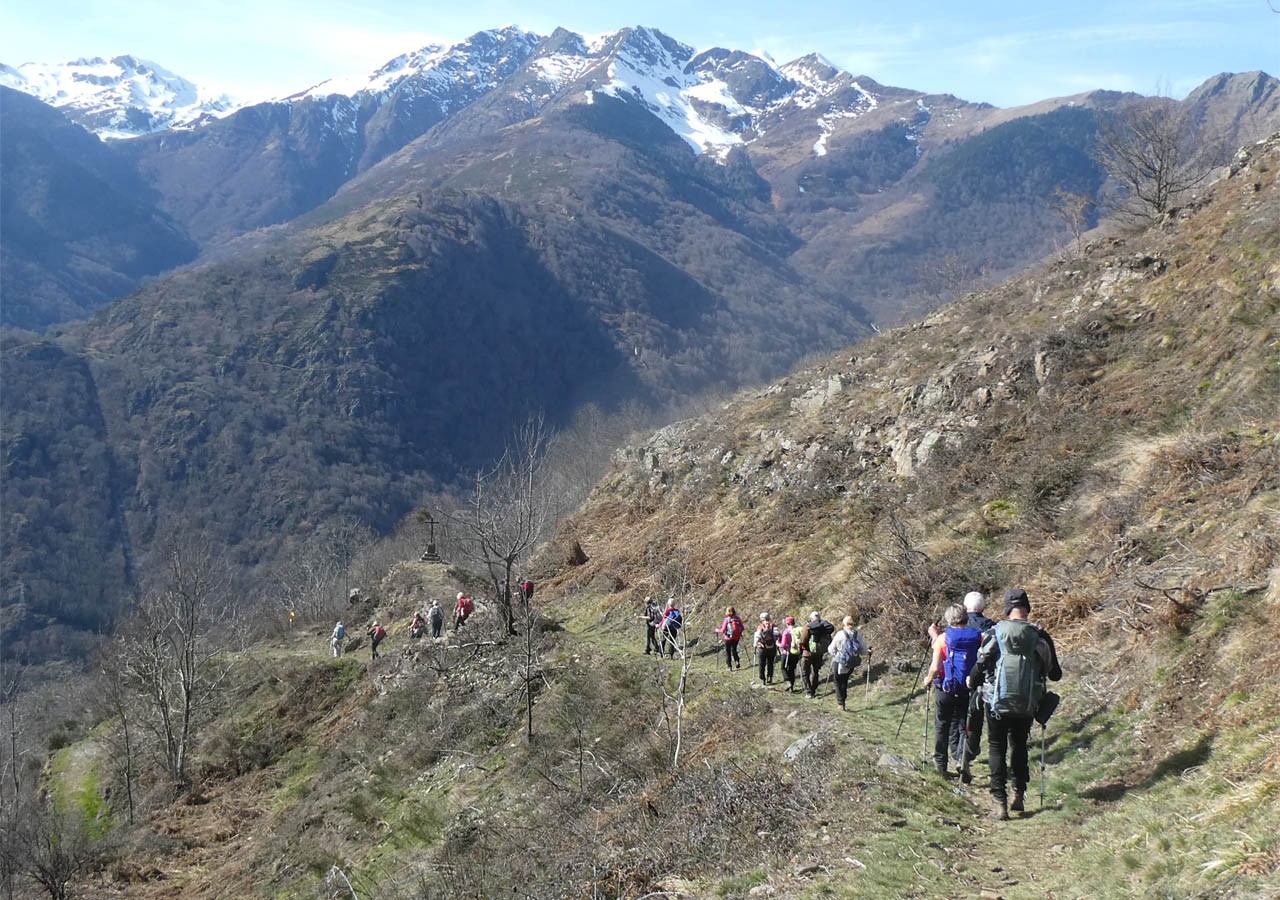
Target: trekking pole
<point>1042,766</point>
<point>927,698</point>
<point>866,698</point>
<point>906,706</point>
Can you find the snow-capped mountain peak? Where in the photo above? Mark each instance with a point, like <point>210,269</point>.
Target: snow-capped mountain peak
<point>476,62</point>
<point>120,97</point>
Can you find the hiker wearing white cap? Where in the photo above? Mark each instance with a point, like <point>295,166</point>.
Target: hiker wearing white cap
<point>766,646</point>
<point>974,604</point>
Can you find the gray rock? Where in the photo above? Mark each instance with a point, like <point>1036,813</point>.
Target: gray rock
<point>893,761</point>
<point>812,747</point>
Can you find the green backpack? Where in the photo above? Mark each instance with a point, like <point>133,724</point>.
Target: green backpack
<point>1019,682</point>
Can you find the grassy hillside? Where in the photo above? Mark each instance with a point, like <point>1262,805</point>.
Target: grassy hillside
<point>1104,434</point>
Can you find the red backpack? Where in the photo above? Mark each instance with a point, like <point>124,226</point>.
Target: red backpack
<point>732,628</point>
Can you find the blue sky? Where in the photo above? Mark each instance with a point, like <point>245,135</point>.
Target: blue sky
<point>1006,53</point>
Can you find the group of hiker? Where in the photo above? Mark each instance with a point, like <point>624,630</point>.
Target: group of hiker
<point>994,674</point>
<point>433,618</point>
<point>981,673</point>
<point>794,648</point>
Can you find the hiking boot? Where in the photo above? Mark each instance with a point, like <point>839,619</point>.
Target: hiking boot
<point>999,809</point>
<point>1017,805</point>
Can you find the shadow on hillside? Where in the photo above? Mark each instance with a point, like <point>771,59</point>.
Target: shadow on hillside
<point>1076,735</point>
<point>1175,763</point>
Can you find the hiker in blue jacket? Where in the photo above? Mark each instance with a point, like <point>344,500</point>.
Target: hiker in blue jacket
<point>954,652</point>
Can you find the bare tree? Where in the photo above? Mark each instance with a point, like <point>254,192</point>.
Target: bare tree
<point>1073,209</point>
<point>167,657</point>
<point>676,584</point>
<point>53,847</point>
<point>120,701</point>
<point>14,752</point>
<point>1149,148</point>
<point>507,513</point>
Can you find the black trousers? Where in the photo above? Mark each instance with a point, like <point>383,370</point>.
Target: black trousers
<point>1008,735</point>
<point>651,639</point>
<point>765,658</point>
<point>842,686</point>
<point>811,672</point>
<point>789,663</point>
<point>949,713</point>
<point>731,654</point>
<point>977,715</point>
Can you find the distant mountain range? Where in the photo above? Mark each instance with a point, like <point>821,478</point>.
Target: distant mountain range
<point>330,304</point>
<point>116,98</point>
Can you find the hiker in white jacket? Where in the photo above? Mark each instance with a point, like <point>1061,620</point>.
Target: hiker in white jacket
<point>846,653</point>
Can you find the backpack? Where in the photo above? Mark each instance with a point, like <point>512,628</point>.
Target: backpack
<point>339,633</point>
<point>379,632</point>
<point>732,628</point>
<point>674,620</point>
<point>962,652</point>
<point>1019,682</point>
<point>795,639</point>
<point>527,588</point>
<point>820,637</point>
<point>437,615</point>
<point>850,654</point>
<point>766,638</point>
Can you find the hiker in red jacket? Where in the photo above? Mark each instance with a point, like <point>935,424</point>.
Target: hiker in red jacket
<point>376,634</point>
<point>731,630</point>
<point>463,610</point>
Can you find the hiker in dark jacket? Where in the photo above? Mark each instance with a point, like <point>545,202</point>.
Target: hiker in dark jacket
<point>813,652</point>
<point>954,651</point>
<point>436,615</point>
<point>1007,732</point>
<point>974,604</point>
<point>652,617</point>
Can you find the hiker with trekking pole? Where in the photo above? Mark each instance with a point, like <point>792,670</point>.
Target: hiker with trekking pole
<point>1014,660</point>
<point>954,652</point>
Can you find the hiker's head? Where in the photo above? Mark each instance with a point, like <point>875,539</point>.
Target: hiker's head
<point>955,616</point>
<point>789,620</point>
<point>974,602</point>
<point>730,611</point>
<point>765,617</point>
<point>671,603</point>
<point>814,617</point>
<point>848,621</point>
<point>1016,599</point>
<point>459,595</point>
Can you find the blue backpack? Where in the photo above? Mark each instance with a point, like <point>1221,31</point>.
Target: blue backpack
<point>962,652</point>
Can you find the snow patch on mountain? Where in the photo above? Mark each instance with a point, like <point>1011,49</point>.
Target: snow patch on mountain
<point>118,98</point>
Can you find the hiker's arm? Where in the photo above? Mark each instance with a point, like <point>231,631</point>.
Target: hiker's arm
<point>1054,669</point>
<point>935,662</point>
<point>986,653</point>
